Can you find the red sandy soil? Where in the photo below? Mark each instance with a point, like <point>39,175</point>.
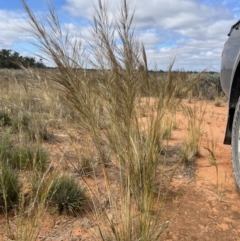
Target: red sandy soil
<point>197,208</point>
<point>207,209</point>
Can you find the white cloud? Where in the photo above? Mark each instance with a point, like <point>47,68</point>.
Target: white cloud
<point>151,39</point>
<point>192,31</point>
<point>11,28</point>
<point>79,8</point>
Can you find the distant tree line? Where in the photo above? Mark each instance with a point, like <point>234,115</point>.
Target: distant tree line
<point>10,59</point>
<point>186,71</point>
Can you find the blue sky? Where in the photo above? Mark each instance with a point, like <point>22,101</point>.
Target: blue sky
<point>192,31</point>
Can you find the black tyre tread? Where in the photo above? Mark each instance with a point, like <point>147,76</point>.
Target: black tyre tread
<point>235,137</point>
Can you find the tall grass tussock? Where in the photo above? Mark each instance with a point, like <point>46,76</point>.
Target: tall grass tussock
<point>125,113</point>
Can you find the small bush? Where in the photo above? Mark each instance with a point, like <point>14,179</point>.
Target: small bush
<point>66,195</point>
<point>9,187</point>
<point>29,158</point>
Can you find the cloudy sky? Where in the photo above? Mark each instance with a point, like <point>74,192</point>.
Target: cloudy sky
<point>192,31</point>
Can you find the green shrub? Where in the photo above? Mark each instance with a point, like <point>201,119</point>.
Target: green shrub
<point>66,195</point>
<point>9,187</point>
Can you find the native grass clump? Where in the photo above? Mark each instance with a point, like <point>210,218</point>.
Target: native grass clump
<point>66,195</point>
<point>123,109</point>
<point>195,120</point>
<point>124,114</point>
<point>9,188</point>
<point>29,110</point>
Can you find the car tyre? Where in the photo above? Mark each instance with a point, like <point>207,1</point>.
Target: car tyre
<point>236,144</point>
